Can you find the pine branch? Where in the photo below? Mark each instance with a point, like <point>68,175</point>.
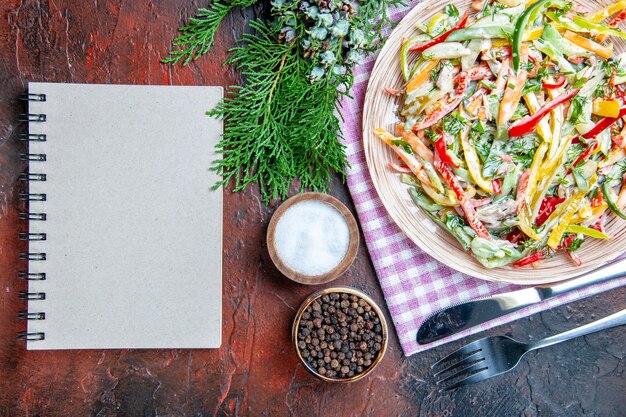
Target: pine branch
<point>283,124</point>
<point>198,35</point>
<point>278,126</point>
<point>374,18</point>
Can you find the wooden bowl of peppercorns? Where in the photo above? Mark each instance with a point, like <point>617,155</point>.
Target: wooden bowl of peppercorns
<point>340,334</point>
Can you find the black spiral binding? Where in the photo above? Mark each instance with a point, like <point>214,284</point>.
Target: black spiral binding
<point>28,236</point>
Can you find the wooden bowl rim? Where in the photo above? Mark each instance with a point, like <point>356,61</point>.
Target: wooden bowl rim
<point>347,260</point>
<point>348,290</point>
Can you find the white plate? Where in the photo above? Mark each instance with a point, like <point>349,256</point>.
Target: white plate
<point>380,111</point>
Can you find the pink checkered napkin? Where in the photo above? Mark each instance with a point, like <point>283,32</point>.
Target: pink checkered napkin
<point>414,284</point>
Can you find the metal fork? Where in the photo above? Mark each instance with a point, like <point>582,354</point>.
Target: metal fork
<point>495,355</point>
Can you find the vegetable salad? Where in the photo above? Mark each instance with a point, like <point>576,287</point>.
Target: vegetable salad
<point>513,136</point>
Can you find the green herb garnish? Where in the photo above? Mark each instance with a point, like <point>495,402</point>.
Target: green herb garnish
<point>578,104</point>
<point>453,123</point>
<point>451,10</point>
<point>403,144</point>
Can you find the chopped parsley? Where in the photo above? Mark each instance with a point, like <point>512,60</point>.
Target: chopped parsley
<point>403,144</point>
<point>578,106</point>
<point>532,85</point>
<point>453,123</point>
<point>451,10</point>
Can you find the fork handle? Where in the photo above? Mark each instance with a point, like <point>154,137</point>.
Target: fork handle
<point>614,320</point>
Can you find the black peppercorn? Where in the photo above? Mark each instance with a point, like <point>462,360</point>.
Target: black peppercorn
<point>339,335</point>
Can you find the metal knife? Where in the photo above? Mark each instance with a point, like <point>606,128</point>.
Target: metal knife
<point>463,316</point>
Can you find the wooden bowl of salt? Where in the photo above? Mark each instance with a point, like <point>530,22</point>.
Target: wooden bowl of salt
<point>312,238</point>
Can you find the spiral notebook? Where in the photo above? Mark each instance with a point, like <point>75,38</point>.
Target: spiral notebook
<point>124,231</point>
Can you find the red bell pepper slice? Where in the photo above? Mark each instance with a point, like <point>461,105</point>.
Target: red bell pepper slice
<point>442,151</point>
<point>528,123</point>
<point>530,259</point>
<point>597,225</point>
<point>441,38</point>
<point>597,202</point>
<point>497,189</point>
<point>560,80</point>
<point>515,236</point>
<point>566,242</point>
<point>621,92</point>
<point>604,124</point>
<point>618,19</point>
<point>548,205</point>
<point>586,153</point>
<point>402,169</point>
<point>464,201</point>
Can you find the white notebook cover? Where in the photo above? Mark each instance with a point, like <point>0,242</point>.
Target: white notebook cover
<point>133,231</point>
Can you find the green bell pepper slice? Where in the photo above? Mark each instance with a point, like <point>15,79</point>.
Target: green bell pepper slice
<point>612,204</point>
<point>575,228</point>
<point>520,28</point>
<point>484,32</point>
<point>583,25</point>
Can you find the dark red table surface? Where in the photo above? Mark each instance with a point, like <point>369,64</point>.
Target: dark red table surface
<point>255,372</point>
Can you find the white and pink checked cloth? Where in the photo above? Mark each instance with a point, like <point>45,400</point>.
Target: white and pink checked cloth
<point>414,284</point>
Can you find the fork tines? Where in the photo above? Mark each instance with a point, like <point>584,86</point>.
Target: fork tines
<point>463,366</point>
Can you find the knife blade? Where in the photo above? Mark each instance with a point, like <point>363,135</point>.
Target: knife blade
<point>459,317</point>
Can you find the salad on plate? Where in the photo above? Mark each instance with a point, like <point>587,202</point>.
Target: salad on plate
<point>513,136</point>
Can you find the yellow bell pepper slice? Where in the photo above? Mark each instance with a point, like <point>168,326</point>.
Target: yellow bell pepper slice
<point>528,36</point>
<point>588,44</point>
<point>543,128</point>
<point>473,163</point>
<point>501,42</point>
<point>596,212</point>
<point>547,173</point>
<point>605,108</point>
<point>447,198</point>
<point>556,123</point>
<point>608,11</point>
<point>584,211</point>
<point>535,167</point>
<point>422,75</point>
<point>532,35</point>
<point>571,207</point>
<point>524,225</point>
<point>526,218</point>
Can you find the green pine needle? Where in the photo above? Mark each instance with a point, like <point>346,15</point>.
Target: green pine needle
<point>198,35</point>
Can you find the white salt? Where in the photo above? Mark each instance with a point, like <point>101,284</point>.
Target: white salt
<point>312,237</point>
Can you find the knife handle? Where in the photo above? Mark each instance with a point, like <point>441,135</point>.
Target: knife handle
<point>605,273</point>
